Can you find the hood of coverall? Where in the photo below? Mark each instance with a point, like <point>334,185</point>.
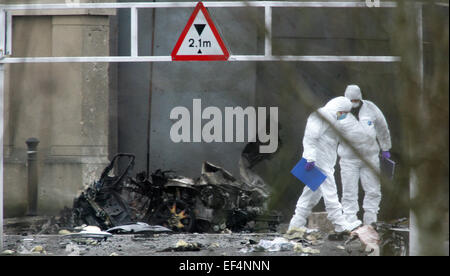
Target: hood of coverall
<point>353,92</point>
<point>334,105</point>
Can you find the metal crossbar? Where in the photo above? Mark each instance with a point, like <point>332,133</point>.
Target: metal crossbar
<point>6,27</point>
<point>214,4</point>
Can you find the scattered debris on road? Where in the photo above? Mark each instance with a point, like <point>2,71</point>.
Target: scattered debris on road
<point>281,244</point>
<point>381,238</point>
<point>369,239</point>
<point>138,227</point>
<point>92,232</point>
<point>394,237</point>
<point>182,245</point>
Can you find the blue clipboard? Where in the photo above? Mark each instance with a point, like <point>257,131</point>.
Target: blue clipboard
<point>313,178</point>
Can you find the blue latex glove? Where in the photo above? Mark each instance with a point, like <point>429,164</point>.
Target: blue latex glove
<point>310,165</point>
<point>385,154</point>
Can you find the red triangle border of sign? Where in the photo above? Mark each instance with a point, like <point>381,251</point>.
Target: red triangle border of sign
<point>223,57</point>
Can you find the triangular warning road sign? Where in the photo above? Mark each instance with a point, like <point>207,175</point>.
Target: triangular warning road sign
<point>200,39</point>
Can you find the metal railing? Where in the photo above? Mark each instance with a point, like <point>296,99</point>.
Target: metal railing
<point>6,27</point>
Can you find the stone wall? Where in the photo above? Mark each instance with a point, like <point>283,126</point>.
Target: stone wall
<point>64,105</point>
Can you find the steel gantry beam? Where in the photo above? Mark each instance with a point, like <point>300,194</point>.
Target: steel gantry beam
<point>7,10</point>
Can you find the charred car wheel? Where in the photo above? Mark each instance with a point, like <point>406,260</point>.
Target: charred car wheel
<point>175,215</point>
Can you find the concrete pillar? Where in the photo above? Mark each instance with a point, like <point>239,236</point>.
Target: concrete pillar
<point>65,105</point>
<point>77,154</point>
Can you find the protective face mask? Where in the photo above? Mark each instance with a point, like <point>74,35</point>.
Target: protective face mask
<point>356,105</point>
<point>342,116</point>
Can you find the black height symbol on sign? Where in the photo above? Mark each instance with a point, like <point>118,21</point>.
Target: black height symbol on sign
<point>199,28</point>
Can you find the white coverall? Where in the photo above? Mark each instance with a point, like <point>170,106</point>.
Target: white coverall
<point>376,135</point>
<point>319,145</point>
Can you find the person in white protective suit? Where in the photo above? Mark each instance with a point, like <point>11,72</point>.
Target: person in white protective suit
<point>368,141</point>
<point>319,149</point>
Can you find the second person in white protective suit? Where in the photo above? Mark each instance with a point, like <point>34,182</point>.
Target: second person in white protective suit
<point>319,149</point>
<point>374,135</point>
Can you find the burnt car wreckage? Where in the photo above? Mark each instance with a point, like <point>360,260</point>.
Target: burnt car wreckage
<point>214,202</point>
